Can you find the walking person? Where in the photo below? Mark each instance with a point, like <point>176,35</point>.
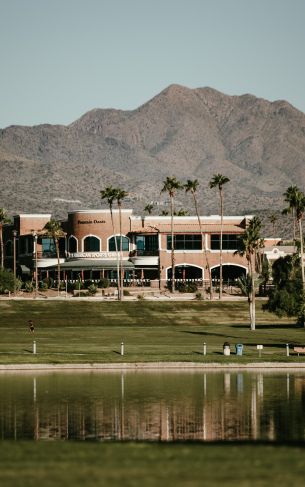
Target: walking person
<point>31,326</point>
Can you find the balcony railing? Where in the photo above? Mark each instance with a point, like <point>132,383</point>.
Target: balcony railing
<point>144,253</point>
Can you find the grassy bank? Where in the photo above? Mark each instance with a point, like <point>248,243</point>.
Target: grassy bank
<point>78,332</point>
<point>26,464</point>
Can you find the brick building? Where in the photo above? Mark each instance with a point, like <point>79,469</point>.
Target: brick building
<point>89,249</point>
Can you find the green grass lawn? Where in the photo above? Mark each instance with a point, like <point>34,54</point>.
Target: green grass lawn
<point>28,464</point>
<point>77,332</point>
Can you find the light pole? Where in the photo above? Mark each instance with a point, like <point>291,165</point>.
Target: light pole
<point>34,233</point>
<point>15,233</point>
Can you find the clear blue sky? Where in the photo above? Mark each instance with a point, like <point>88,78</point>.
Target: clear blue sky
<point>61,58</point>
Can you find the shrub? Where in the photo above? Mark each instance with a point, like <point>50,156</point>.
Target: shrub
<point>126,292</point>
<point>140,297</point>
<point>47,283</point>
<point>199,296</point>
<point>28,287</point>
<point>103,283</point>
<point>92,289</point>
<point>7,281</point>
<point>187,287</point>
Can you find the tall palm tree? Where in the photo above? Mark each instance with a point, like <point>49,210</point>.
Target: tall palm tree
<point>296,205</point>
<point>3,220</point>
<point>191,186</point>
<point>120,195</point>
<point>250,243</point>
<point>53,229</point>
<point>110,194</point>
<point>171,185</point>
<point>273,219</point>
<point>291,197</point>
<point>218,181</point>
<point>149,208</point>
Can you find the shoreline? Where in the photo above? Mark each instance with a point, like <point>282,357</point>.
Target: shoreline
<point>153,366</point>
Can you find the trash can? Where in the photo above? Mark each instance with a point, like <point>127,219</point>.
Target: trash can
<point>239,348</point>
<point>226,348</point>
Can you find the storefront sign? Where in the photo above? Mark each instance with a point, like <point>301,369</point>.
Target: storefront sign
<point>89,222</point>
<point>92,255</point>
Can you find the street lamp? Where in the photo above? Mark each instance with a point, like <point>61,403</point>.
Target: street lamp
<point>15,233</point>
<point>34,233</point>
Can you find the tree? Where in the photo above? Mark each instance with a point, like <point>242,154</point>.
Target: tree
<point>191,186</point>
<point>171,185</point>
<point>287,295</point>
<point>218,181</point>
<point>110,194</point>
<point>149,208</point>
<point>53,229</point>
<point>3,220</point>
<point>181,212</point>
<point>8,283</point>
<point>249,244</point>
<point>296,205</point>
<point>273,219</point>
<point>120,195</point>
<point>291,196</point>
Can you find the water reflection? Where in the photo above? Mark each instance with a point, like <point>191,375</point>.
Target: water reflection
<point>154,406</point>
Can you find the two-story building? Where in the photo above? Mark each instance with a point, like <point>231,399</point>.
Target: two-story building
<point>93,237</point>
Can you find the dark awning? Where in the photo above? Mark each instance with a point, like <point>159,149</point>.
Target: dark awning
<point>94,265</point>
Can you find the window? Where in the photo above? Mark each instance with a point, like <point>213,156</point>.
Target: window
<point>125,243</point>
<point>148,243</point>
<point>185,242</point>
<point>229,242</point>
<point>48,246</point>
<point>91,244</point>
<point>72,245</point>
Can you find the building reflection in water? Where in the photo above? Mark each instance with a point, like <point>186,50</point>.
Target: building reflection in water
<point>156,406</point>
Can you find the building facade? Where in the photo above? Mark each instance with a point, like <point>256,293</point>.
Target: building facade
<point>91,248</point>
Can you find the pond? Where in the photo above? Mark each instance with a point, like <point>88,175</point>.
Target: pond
<point>153,406</point>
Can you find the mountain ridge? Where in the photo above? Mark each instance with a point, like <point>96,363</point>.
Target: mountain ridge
<point>189,133</point>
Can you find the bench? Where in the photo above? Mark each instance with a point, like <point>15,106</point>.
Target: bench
<point>299,350</point>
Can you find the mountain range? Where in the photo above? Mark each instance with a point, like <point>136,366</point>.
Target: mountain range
<point>182,132</point>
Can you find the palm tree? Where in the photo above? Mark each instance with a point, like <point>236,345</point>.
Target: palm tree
<point>250,243</point>
<point>273,219</point>
<point>219,181</point>
<point>296,201</point>
<point>110,194</point>
<point>171,185</point>
<point>3,220</point>
<point>53,229</point>
<point>191,186</point>
<point>291,197</point>
<point>181,212</point>
<point>120,195</point>
<point>149,208</point>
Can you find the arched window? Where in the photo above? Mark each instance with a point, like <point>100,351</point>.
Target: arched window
<point>125,243</point>
<point>9,249</point>
<point>72,245</point>
<point>91,244</point>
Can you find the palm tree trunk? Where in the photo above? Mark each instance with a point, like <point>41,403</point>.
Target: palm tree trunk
<point>121,258</point>
<point>220,253</point>
<point>116,251</point>
<point>252,296</point>
<point>293,216</point>
<point>302,251</point>
<point>1,247</point>
<point>58,265</point>
<point>172,244</point>
<point>203,245</point>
